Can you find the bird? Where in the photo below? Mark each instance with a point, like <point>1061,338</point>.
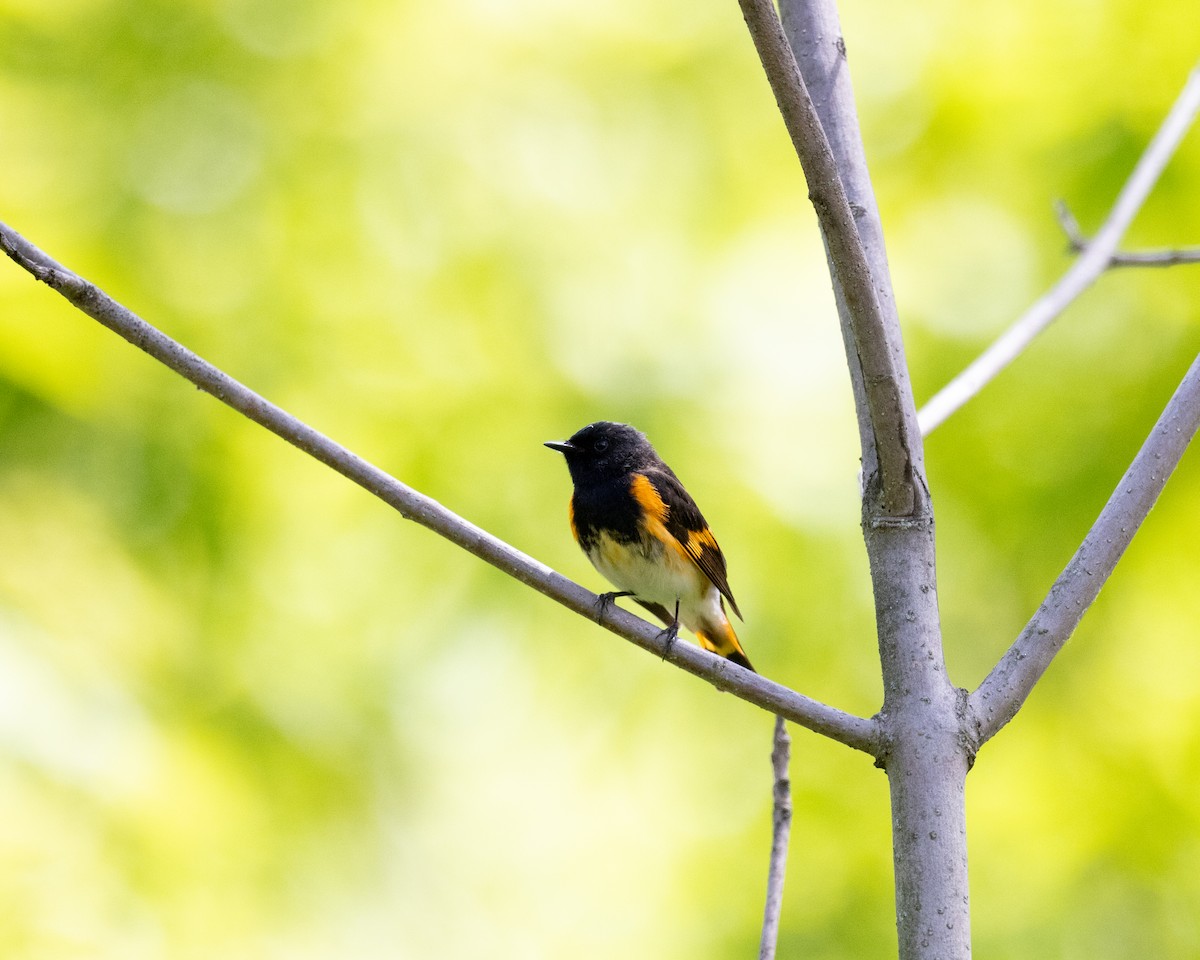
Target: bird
<point>643,532</point>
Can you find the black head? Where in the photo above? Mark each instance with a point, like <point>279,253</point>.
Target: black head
<point>605,451</point>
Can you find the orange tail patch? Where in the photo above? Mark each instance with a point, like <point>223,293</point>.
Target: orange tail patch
<point>721,640</point>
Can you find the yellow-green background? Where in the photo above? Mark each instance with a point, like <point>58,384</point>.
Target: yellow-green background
<point>246,711</point>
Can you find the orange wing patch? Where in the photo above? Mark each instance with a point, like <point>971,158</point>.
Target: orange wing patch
<point>685,528</point>
<point>651,501</point>
<point>703,550</point>
<point>701,547</point>
<point>699,540</point>
<point>654,512</point>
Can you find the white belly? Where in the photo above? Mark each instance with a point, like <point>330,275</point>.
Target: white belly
<point>661,576</point>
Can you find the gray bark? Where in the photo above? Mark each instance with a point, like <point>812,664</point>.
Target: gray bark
<point>931,729</point>
<point>815,35</point>
<point>781,831</point>
<point>927,752</point>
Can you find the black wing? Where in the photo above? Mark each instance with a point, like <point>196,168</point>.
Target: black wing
<point>686,523</point>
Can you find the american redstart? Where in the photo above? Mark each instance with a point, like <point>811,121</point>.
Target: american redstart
<point>643,531</point>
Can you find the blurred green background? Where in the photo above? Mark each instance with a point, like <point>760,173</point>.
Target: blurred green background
<point>247,711</point>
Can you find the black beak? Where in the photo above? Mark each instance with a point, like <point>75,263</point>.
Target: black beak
<point>562,446</point>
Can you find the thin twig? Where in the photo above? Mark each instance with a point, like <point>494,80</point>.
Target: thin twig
<point>1090,264</point>
<point>1141,258</point>
<point>1000,696</point>
<point>781,829</point>
<point>1156,258</point>
<point>892,423</point>
<point>857,732</point>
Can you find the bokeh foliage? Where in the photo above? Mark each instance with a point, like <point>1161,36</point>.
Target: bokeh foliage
<point>246,711</point>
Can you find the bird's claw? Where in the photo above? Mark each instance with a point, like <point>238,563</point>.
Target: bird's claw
<point>607,600</point>
<point>668,636</point>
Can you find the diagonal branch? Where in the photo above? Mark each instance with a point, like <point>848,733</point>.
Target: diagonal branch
<point>894,437</point>
<point>814,32</point>
<point>1141,258</point>
<point>1090,264</point>
<point>1000,696</point>
<point>853,731</point>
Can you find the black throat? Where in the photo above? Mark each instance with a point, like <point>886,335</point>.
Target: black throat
<point>606,506</point>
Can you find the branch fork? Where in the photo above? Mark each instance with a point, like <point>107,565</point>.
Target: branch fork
<point>1078,243</point>
<point>1095,257</point>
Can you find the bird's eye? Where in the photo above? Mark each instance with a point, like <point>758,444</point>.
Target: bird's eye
<point>600,445</point>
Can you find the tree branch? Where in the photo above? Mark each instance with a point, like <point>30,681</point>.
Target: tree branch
<point>781,829</point>
<point>1143,258</point>
<point>1000,696</point>
<point>853,731</point>
<point>1090,264</point>
<point>814,33</point>
<point>893,442</point>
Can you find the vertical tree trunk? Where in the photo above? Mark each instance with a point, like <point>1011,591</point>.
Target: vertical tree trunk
<point>927,756</point>
<point>928,752</point>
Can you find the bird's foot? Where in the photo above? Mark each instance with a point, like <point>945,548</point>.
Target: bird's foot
<point>607,600</point>
<point>670,634</point>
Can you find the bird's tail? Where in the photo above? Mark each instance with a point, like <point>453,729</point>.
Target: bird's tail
<point>719,638</point>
